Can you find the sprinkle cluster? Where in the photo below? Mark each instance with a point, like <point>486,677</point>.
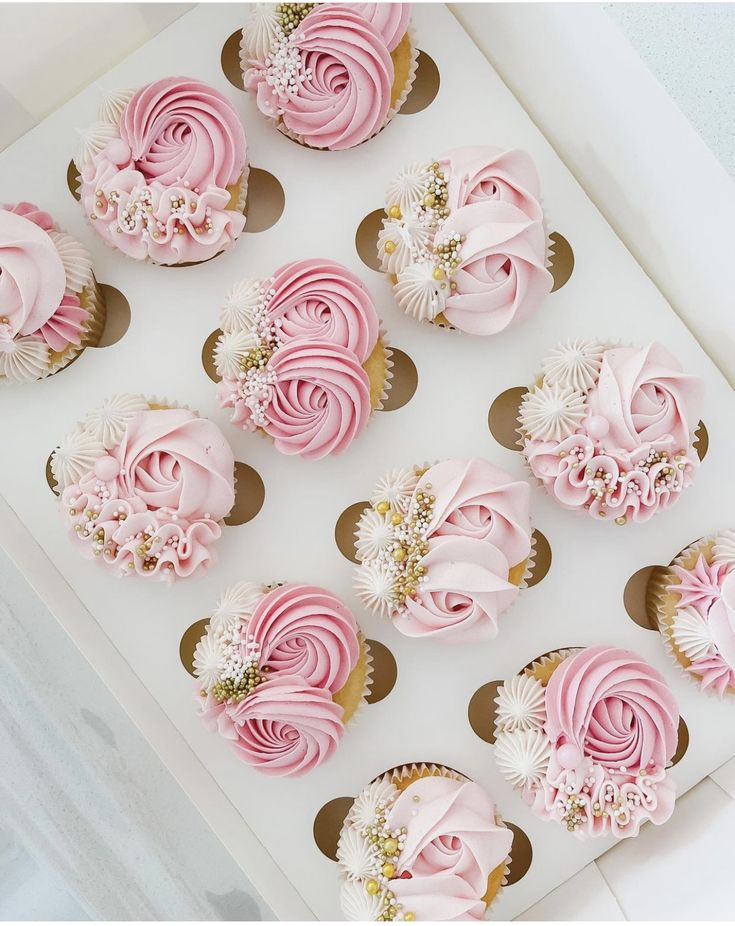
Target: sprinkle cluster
<point>137,214</point>
<point>240,672</point>
<point>283,66</point>
<point>393,537</point>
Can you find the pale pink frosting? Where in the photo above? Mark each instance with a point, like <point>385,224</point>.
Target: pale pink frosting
<point>462,593</point>
<point>322,300</point>
<point>501,278</point>
<point>646,399</point>
<point>284,727</point>
<point>345,79</point>
<point>33,213</point>
<point>66,325</point>
<point>481,173</point>
<point>476,499</point>
<point>317,404</point>
<point>32,277</point>
<point>612,723</point>
<point>614,708</point>
<point>649,408</point>
<point>390,19</point>
<point>708,589</point>
<point>180,140</point>
<point>174,483</point>
<point>452,845</point>
<point>307,631</point>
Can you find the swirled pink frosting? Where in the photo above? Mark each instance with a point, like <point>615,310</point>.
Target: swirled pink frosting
<point>32,278</point>
<point>634,453</point>
<point>501,278</point>
<point>307,631</point>
<point>321,300</point>
<point>390,19</point>
<point>343,79</point>
<point>481,173</point>
<point>608,705</point>
<point>158,514</point>
<point>479,500</point>
<point>646,398</point>
<point>612,725</point>
<point>464,590</point>
<point>708,590</point>
<point>284,727</point>
<point>452,845</point>
<point>315,403</point>
<point>159,190</point>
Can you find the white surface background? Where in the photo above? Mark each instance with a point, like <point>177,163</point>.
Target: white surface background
<point>706,814</point>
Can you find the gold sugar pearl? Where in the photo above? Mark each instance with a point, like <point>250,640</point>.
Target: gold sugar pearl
<point>372,886</point>
<point>383,507</point>
<point>389,246</point>
<point>395,212</point>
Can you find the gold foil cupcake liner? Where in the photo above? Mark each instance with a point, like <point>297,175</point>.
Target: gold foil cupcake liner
<point>353,695</point>
<point>93,300</point>
<point>543,667</point>
<point>664,604</point>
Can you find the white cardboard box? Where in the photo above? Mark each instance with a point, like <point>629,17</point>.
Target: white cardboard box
<point>130,630</point>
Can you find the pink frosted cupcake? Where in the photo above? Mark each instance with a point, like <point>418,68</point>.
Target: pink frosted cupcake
<point>164,172</point>
<point>301,357</point>
<point>145,487</point>
<point>422,842</point>
<point>586,736</point>
<point>328,75</point>
<point>50,305</point>
<point>694,600</point>
<point>444,550</point>
<point>611,430</point>
<point>280,672</point>
<point>463,240</point>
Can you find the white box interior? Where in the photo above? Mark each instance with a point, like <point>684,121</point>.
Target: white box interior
<point>173,311</point>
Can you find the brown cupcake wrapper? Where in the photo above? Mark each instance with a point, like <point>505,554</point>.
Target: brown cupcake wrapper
<point>353,705</point>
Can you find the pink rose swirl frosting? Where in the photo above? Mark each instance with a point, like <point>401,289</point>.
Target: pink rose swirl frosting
<point>159,190</point>
<point>501,278</point>
<point>634,452</point>
<point>32,277</point>
<point>322,300</point>
<point>608,705</point>
<point>390,20</point>
<point>464,589</point>
<point>32,213</point>
<point>320,401</point>
<point>344,81</point>
<point>452,845</point>
<point>166,485</point>
<point>285,727</point>
<point>479,500</point>
<point>646,399</point>
<point>482,173</point>
<point>305,631</point>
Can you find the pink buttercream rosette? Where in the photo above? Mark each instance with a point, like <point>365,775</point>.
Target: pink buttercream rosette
<point>302,357</point>
<point>464,241</point>
<point>443,550</point>
<point>587,736</point>
<point>164,173</point>
<point>280,672</point>
<point>611,430</point>
<point>144,489</point>
<point>329,75</point>
<point>442,852</point>
<point>50,306</point>
<point>694,601</point>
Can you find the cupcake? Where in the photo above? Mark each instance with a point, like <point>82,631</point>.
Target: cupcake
<point>301,357</point>
<point>441,851</point>
<point>586,736</point>
<point>144,487</point>
<point>50,305</point>
<point>328,75</point>
<point>164,172</point>
<point>444,549</point>
<point>611,430</point>
<point>280,671</point>
<point>695,606</point>
<point>463,240</point>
